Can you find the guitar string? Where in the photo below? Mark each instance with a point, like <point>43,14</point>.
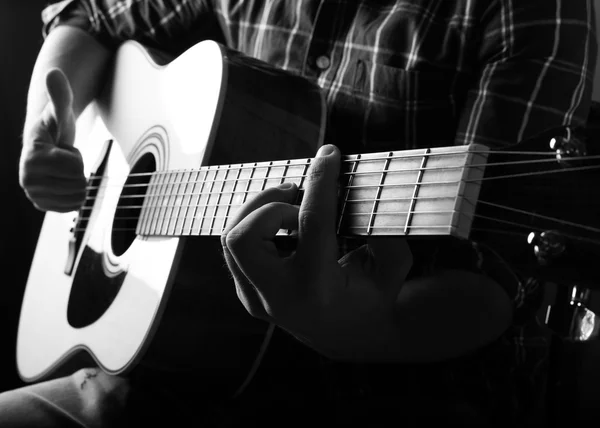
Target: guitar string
<point>224,218</point>
<point>363,158</point>
<point>185,218</point>
<point>214,231</point>
<point>384,185</point>
<point>543,217</point>
<point>518,234</point>
<point>240,193</point>
<point>215,194</point>
<point>206,171</point>
<point>166,207</point>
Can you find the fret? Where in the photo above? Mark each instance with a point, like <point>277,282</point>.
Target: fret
<point>414,192</point>
<point>386,166</point>
<point>218,195</point>
<point>204,197</point>
<point>163,203</point>
<point>149,203</point>
<point>264,184</point>
<point>195,200</point>
<point>247,191</point>
<point>143,223</point>
<point>285,171</point>
<point>231,198</point>
<point>185,202</point>
<point>166,204</point>
<point>303,175</point>
<point>157,202</point>
<point>214,198</point>
<point>259,180</point>
<point>413,201</point>
<point>276,173</point>
<point>347,195</point>
<point>295,172</point>
<point>175,198</point>
<point>299,183</point>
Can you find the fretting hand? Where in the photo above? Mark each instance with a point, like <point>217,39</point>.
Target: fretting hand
<point>51,170</point>
<point>343,309</point>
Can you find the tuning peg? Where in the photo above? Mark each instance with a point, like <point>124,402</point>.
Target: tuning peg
<point>568,146</point>
<point>547,246</point>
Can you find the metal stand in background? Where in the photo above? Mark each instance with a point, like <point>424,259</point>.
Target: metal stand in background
<point>571,321</point>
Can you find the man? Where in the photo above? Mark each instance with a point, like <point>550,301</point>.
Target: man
<point>397,74</point>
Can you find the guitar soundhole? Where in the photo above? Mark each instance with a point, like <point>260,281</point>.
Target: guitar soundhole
<point>130,204</point>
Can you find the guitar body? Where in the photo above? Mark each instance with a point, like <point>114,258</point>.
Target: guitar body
<point>98,290</point>
<point>135,278</point>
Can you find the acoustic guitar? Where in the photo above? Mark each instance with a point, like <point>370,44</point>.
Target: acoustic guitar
<point>174,147</point>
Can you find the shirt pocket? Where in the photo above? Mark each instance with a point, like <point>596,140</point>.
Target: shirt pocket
<point>384,83</point>
<point>405,108</point>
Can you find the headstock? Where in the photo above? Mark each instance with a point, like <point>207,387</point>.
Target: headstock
<point>539,208</point>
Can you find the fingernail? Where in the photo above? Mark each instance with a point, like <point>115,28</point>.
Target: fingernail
<point>325,150</point>
<point>286,185</point>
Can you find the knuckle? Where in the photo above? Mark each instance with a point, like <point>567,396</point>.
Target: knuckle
<point>309,220</point>
<point>234,240</point>
<point>317,170</point>
<point>255,312</point>
<point>250,304</point>
<point>26,180</point>
<point>80,198</point>
<point>39,206</point>
<point>224,239</point>
<point>274,206</point>
<point>82,183</point>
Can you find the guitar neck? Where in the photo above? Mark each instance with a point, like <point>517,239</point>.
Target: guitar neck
<point>407,193</point>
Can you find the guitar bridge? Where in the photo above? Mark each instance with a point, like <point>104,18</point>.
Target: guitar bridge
<point>74,244</point>
<point>81,220</point>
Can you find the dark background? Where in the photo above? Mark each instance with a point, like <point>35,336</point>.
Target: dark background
<point>20,40</point>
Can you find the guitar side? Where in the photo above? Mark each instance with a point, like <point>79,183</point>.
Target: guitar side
<point>181,115</point>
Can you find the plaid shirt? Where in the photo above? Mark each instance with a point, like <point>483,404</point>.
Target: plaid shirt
<point>398,74</point>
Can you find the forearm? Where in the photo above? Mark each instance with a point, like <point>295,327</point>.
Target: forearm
<point>434,318</point>
<point>450,314</point>
<point>83,60</point>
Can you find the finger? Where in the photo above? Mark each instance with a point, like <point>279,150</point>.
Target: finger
<point>246,292</point>
<point>48,202</point>
<point>59,186</point>
<point>60,93</point>
<point>251,241</point>
<point>390,262</point>
<point>61,101</point>
<point>318,211</point>
<point>251,244</point>
<point>57,161</point>
<point>286,192</point>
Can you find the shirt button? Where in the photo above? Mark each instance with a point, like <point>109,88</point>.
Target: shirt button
<point>323,62</point>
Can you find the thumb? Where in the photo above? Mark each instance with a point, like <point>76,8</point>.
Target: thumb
<point>61,101</point>
<point>391,261</point>
<point>318,210</point>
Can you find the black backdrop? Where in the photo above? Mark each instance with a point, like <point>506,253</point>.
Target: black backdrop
<point>20,40</point>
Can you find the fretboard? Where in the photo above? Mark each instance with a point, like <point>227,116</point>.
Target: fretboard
<point>414,192</point>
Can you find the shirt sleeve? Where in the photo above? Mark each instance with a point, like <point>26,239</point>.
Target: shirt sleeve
<point>538,59</point>
<point>169,25</point>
